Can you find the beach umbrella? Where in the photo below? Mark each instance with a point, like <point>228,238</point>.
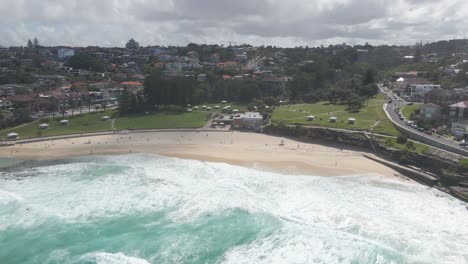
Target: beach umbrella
<point>189,110</point>
<point>208,108</point>
<point>64,122</point>
<point>333,119</point>
<point>223,102</point>
<point>217,107</point>
<point>310,118</point>
<point>204,106</point>
<point>105,117</point>
<point>43,126</point>
<point>351,120</point>
<point>196,108</point>
<point>235,110</point>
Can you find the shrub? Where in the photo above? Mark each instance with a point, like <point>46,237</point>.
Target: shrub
<point>402,139</point>
<point>410,145</point>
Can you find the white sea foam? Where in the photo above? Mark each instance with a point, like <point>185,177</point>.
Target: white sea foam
<point>358,218</point>
<point>109,258</point>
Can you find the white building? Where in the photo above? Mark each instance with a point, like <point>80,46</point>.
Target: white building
<point>422,89</point>
<point>63,53</point>
<point>249,120</point>
<point>7,90</point>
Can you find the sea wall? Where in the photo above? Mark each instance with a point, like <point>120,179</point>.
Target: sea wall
<point>434,163</point>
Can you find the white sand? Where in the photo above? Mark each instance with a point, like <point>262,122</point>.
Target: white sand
<point>246,149</point>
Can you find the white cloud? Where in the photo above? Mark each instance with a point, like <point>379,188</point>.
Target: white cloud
<point>178,22</point>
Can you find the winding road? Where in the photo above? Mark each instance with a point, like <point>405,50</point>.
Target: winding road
<point>432,140</point>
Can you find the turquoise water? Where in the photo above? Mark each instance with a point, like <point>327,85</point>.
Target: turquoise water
<point>152,209</point>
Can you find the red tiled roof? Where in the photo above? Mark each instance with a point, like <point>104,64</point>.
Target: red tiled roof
<point>132,83</point>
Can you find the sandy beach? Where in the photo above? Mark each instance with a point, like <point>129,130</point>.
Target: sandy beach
<point>245,149</point>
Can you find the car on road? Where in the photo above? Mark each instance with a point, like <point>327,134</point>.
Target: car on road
<point>428,132</point>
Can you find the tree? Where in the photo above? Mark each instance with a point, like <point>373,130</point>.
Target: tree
<point>124,102</point>
<point>30,44</point>
<point>417,55</point>
<point>132,44</point>
<point>86,62</point>
<point>369,77</point>
<point>355,103</point>
<point>36,42</point>
<point>402,139</point>
<point>22,115</point>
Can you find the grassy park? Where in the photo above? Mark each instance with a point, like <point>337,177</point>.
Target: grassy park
<point>84,123</point>
<point>93,122</point>
<point>161,120</point>
<point>371,115</point>
<point>408,110</point>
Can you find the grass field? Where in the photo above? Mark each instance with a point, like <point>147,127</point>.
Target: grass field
<point>93,122</point>
<point>370,115</point>
<point>78,124</point>
<point>241,108</point>
<point>419,148</point>
<point>408,110</point>
<point>194,119</point>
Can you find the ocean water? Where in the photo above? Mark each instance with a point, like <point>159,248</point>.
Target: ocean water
<point>152,209</point>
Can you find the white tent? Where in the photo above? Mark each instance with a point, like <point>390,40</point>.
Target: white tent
<point>189,110</point>
<point>351,120</point>
<point>310,118</point>
<point>64,122</point>
<point>196,108</point>
<point>223,102</point>
<point>43,126</point>
<point>217,107</point>
<point>235,110</point>
<point>401,79</point>
<point>208,108</point>
<point>12,135</point>
<point>105,117</point>
<point>333,119</point>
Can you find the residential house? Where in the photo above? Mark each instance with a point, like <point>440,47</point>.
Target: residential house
<point>132,87</point>
<point>228,65</point>
<point>5,104</point>
<point>8,89</point>
<point>201,77</point>
<point>444,97</point>
<point>420,90</point>
<point>459,115</point>
<point>63,53</point>
<point>24,101</point>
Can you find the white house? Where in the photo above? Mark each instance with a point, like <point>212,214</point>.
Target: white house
<point>422,89</point>
<point>63,53</point>
<point>7,90</point>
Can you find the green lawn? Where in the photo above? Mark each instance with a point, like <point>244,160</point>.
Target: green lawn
<point>419,148</point>
<point>369,115</point>
<point>408,110</point>
<point>165,119</point>
<point>241,108</point>
<point>77,124</point>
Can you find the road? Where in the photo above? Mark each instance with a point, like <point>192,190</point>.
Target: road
<point>433,140</point>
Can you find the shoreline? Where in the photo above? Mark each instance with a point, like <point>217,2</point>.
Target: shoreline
<point>237,148</point>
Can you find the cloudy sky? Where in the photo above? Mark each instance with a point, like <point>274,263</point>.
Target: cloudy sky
<point>257,22</point>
